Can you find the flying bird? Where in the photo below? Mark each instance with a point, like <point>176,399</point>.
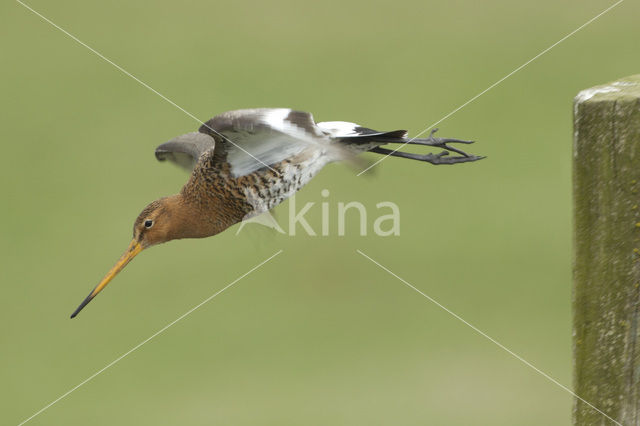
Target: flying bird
<point>246,162</point>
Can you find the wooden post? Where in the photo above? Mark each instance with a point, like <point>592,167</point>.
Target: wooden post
<point>606,296</point>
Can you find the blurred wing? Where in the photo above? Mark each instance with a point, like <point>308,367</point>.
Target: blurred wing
<point>255,138</point>
<point>185,149</point>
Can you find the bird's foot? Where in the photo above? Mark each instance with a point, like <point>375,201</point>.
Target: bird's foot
<point>444,158</point>
<point>442,143</point>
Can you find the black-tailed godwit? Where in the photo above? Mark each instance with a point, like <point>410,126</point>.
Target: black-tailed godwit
<point>248,161</point>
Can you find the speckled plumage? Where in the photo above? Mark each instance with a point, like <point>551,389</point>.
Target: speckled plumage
<point>223,200</point>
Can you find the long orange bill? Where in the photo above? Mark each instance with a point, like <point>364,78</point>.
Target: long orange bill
<point>132,251</point>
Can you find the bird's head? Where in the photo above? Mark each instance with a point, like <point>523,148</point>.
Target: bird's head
<point>157,223</point>
<point>161,221</point>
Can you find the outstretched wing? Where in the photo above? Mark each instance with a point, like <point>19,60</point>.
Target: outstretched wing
<point>261,137</point>
<point>250,139</point>
<point>185,149</point>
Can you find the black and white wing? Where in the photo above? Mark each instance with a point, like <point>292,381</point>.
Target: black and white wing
<point>248,139</point>
<point>256,138</point>
<point>261,137</point>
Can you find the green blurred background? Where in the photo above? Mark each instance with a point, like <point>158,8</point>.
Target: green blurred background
<point>320,335</point>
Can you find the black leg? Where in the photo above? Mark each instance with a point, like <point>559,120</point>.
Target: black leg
<point>431,141</point>
<point>441,158</point>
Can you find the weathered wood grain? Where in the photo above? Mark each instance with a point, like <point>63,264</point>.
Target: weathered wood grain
<point>606,298</point>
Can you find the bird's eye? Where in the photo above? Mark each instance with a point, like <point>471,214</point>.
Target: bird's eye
<point>148,223</point>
